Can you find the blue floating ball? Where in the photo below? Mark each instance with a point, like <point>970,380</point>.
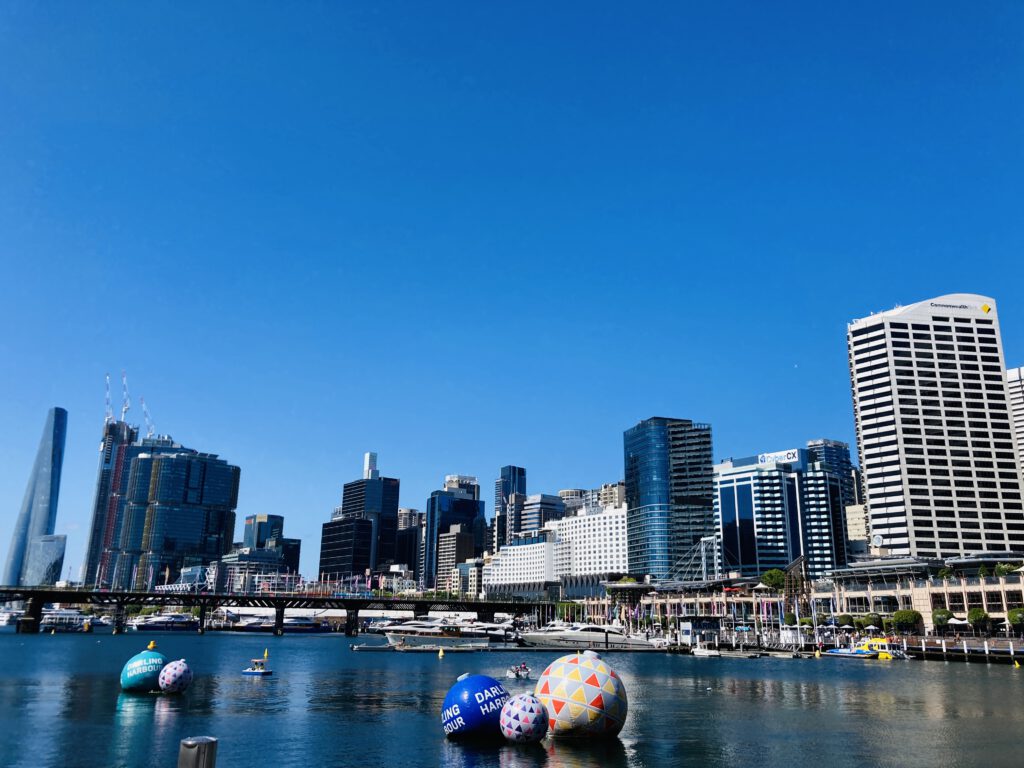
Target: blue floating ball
<point>175,677</point>
<point>141,672</point>
<point>472,708</point>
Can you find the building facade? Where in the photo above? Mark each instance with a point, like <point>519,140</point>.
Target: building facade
<point>258,528</point>
<point>539,510</point>
<point>775,507</point>
<point>936,442</point>
<point>38,514</point>
<point>345,545</point>
<point>1015,391</point>
<point>669,488</point>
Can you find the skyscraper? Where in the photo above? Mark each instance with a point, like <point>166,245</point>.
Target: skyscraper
<point>38,514</point>
<point>933,429</point>
<point>374,498</point>
<point>458,503</point>
<point>108,505</point>
<point>190,513</point>
<point>511,480</point>
<point>669,489</point>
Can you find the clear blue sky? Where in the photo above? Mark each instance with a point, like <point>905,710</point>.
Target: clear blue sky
<point>465,235</point>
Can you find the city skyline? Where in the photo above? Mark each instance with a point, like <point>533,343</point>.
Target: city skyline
<point>465,239</point>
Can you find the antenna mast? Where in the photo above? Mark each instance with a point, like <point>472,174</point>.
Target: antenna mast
<point>108,413</point>
<point>150,429</point>
<point>127,401</point>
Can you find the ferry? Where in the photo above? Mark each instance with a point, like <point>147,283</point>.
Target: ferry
<point>562,635</point>
<point>71,620</point>
<point>873,648</point>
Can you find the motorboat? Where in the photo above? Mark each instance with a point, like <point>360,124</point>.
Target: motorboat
<point>703,651</point>
<point>68,620</point>
<point>437,633</point>
<point>258,667</point>
<point>873,648</point>
<point>10,618</point>
<point>518,672</point>
<point>563,635</point>
<point>165,622</point>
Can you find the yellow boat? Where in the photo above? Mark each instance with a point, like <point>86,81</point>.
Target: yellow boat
<point>872,648</point>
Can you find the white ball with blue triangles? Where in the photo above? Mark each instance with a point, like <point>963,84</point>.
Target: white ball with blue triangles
<point>524,719</point>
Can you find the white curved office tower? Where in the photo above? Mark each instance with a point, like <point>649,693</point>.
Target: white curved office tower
<point>933,429</point>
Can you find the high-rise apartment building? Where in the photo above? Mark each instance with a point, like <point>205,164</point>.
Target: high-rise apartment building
<point>776,507</point>
<point>1015,390</point>
<point>936,441</point>
<point>512,480</point>
<point>458,503</point>
<point>669,488</point>
<point>38,514</point>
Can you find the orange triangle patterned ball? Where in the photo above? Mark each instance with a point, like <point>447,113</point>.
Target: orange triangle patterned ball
<point>584,697</point>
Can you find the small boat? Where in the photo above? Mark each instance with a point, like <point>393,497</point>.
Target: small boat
<point>701,651</point>
<point>868,649</point>
<point>258,667</point>
<point>518,672</point>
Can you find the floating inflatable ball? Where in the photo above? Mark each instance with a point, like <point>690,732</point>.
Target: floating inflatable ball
<point>583,696</point>
<point>524,719</point>
<point>175,677</point>
<point>141,673</point>
<point>472,708</point>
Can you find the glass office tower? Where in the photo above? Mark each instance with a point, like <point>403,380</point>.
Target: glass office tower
<point>259,528</point>
<point>44,561</point>
<point>669,491</point>
<point>38,514</point>
<point>458,503</point>
<point>512,480</point>
<point>190,514</point>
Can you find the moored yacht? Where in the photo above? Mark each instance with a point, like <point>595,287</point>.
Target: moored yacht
<point>437,633</point>
<point>165,622</point>
<point>561,635</point>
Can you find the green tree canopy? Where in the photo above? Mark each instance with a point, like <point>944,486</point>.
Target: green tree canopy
<point>941,617</point>
<point>1005,569</point>
<point>907,620</point>
<point>872,618</point>
<point>982,572</point>
<point>789,619</point>
<point>977,617</point>
<point>1015,616</point>
<point>845,620</point>
<point>774,579</point>
<point>945,573</point>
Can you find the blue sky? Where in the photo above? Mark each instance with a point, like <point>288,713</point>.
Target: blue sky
<point>465,235</point>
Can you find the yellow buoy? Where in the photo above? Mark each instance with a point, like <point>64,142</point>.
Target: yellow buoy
<point>1016,664</point>
<point>817,654</point>
<point>151,646</point>
<point>440,653</point>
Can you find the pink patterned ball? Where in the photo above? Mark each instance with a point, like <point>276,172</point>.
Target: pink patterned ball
<point>524,719</point>
<point>175,677</point>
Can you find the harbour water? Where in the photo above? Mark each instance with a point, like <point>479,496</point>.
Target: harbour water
<point>60,705</point>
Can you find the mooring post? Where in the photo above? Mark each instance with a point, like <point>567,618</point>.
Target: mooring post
<point>30,622</point>
<point>197,752</point>
<point>351,622</point>
<point>202,618</point>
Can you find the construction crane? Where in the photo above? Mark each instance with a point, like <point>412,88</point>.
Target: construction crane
<point>127,401</point>
<point>150,429</point>
<point>108,414</point>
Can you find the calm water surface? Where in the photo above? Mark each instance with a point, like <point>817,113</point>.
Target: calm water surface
<point>61,705</point>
